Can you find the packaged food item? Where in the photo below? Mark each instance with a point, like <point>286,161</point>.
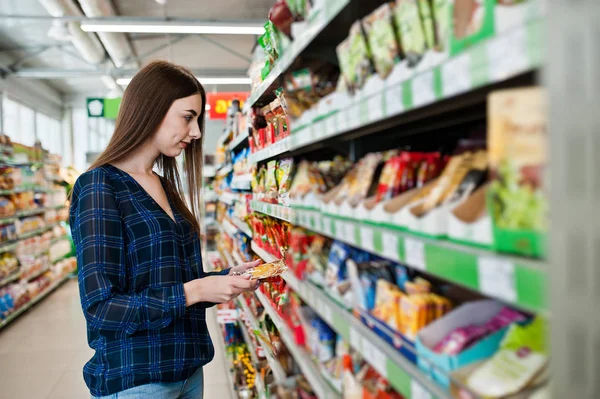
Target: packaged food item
<point>361,181</point>
<point>523,349</point>
<point>472,21</point>
<point>387,304</point>
<point>410,30</point>
<point>281,16</point>
<point>426,12</point>
<point>355,58</point>
<point>462,175</point>
<point>284,180</point>
<point>268,270</point>
<point>517,140</point>
<point>382,39</point>
<point>271,189</point>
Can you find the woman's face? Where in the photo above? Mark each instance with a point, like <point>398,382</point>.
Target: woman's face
<point>179,126</point>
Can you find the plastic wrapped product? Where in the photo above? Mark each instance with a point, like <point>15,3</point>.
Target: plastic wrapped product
<point>410,28</point>
<point>271,189</point>
<point>284,180</point>
<point>355,58</point>
<point>383,42</point>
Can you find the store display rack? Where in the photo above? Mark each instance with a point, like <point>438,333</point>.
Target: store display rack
<point>225,170</point>
<point>222,349</point>
<point>516,280</point>
<point>237,141</point>
<point>402,374</point>
<point>241,182</point>
<point>311,372</point>
<point>34,301</point>
<point>242,226</point>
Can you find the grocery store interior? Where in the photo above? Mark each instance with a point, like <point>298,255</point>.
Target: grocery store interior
<point>416,177</point>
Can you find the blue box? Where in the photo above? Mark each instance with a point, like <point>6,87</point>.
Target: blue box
<point>402,344</point>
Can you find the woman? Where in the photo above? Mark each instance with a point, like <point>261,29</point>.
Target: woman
<point>143,289</point>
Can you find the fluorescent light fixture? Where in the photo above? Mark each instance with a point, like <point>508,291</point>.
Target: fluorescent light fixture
<point>175,27</point>
<point>206,81</point>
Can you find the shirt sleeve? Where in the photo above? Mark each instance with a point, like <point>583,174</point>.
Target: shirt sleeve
<point>98,235</point>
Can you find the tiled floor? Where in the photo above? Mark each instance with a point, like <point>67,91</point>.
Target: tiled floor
<point>42,353</point>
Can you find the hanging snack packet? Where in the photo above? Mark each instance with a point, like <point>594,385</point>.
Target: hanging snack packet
<point>426,12</point>
<point>284,180</point>
<point>408,23</point>
<point>355,58</point>
<point>382,39</point>
<point>271,183</point>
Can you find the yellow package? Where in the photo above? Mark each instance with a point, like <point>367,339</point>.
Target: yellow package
<point>387,303</point>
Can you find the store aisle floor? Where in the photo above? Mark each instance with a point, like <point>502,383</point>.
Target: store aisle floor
<point>43,352</point>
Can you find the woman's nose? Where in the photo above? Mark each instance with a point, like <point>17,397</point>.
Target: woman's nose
<point>195,133</point>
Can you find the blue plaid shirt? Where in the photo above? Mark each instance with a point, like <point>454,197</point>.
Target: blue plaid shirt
<point>133,261</point>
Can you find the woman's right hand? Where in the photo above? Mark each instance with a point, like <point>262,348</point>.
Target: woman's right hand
<point>217,289</point>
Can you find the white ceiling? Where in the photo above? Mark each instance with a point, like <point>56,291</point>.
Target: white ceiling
<point>191,51</point>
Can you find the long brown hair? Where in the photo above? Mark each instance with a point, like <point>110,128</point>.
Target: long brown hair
<point>145,103</point>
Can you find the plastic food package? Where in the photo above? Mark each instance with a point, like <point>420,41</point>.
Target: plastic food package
<point>523,348</point>
<point>361,180</point>
<point>387,304</point>
<point>284,180</point>
<point>355,58</point>
<point>281,16</point>
<point>271,189</point>
<point>383,42</point>
<point>410,30</point>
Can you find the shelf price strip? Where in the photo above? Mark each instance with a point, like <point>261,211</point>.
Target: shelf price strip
<point>519,281</point>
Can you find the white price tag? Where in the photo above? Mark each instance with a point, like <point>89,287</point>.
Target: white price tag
<point>497,278</point>
<point>418,392</point>
<point>390,246</point>
<point>374,356</point>
<point>375,107</point>
<point>341,119</point>
<point>349,232</point>
<point>326,226</point>
<point>353,114</point>
<point>456,75</point>
<point>327,314</point>
<point>414,251</point>
<point>330,125</point>
<point>393,100</point>
<point>319,130</point>
<point>423,91</point>
<point>366,238</point>
<point>355,340</point>
<point>226,316</point>
<point>340,229</point>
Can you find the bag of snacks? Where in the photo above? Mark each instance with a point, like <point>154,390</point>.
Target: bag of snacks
<point>382,39</point>
<point>410,30</point>
<point>355,58</point>
<point>284,180</point>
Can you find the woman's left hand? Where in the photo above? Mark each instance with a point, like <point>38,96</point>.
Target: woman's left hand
<point>244,267</point>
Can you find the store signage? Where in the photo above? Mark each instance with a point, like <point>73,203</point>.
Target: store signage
<point>227,316</point>
<point>103,107</point>
<point>218,103</point>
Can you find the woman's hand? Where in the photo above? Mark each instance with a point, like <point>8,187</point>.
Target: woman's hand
<point>217,289</point>
<point>236,270</point>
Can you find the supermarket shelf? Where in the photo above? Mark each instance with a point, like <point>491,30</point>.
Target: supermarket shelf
<point>236,142</point>
<point>225,170</point>
<point>36,275</point>
<point>31,303</point>
<point>229,228</point>
<point>9,279</point>
<point>264,255</point>
<point>221,343</point>
<point>280,147</point>
<point>7,220</point>
<point>515,280</point>
<point>332,9</point>
<point>278,371</point>
<point>36,232</point>
<point>31,212</point>
<point>209,171</point>
<point>228,198</point>
<point>278,211</point>
<point>17,190</point>
<point>241,182</point>
<point>242,226</point>
<point>405,377</point>
<point>258,383</point>
<point>57,239</point>
<point>7,247</point>
<point>237,258</point>
<point>310,370</point>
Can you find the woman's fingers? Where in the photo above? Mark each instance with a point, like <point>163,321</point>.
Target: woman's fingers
<point>248,265</point>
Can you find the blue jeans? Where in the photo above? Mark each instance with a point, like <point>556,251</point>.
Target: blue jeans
<point>192,388</point>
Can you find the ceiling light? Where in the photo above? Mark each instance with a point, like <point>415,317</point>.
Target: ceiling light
<point>176,28</point>
<point>206,81</point>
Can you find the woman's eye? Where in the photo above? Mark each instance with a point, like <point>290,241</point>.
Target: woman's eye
<point>188,117</point>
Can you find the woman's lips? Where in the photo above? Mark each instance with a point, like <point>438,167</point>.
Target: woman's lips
<point>184,144</point>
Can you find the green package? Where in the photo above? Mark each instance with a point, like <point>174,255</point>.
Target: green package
<point>382,40</point>
<point>428,23</point>
<point>410,30</point>
<point>472,21</point>
<point>441,15</point>
<point>355,58</point>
